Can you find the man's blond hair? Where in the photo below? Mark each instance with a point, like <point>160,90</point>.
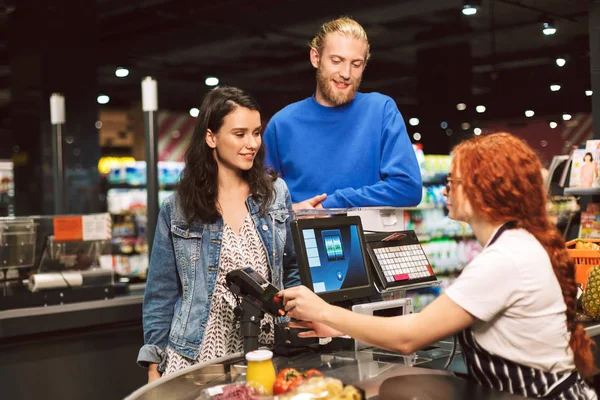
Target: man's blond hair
<point>344,26</point>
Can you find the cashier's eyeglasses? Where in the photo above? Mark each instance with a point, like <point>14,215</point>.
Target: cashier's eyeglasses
<point>449,181</point>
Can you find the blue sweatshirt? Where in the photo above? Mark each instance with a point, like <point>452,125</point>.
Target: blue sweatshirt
<point>358,153</point>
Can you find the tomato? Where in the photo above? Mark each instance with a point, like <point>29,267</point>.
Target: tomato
<point>284,379</point>
<point>312,372</point>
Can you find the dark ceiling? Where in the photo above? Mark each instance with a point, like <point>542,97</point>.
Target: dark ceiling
<point>261,45</point>
<point>427,55</point>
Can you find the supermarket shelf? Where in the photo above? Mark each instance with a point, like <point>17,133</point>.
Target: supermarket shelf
<point>425,207</point>
<point>427,238</point>
<point>582,191</point>
<point>130,186</point>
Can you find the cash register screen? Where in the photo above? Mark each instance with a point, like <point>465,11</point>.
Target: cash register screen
<point>331,257</point>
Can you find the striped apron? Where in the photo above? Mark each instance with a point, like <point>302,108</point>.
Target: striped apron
<point>507,376</point>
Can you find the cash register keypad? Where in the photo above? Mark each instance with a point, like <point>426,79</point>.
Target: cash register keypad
<point>403,262</point>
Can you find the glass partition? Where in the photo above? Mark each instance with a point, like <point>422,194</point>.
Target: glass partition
<point>46,260</point>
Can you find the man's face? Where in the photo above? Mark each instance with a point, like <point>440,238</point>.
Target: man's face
<point>339,69</point>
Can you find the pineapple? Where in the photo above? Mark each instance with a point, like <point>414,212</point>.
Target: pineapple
<point>590,300</point>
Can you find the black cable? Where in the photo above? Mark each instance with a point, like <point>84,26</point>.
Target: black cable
<point>452,353</point>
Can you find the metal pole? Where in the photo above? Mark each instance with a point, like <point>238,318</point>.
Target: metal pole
<point>57,119</point>
<point>150,107</point>
<point>594,15</point>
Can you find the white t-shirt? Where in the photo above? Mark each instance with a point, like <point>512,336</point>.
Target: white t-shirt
<point>511,288</point>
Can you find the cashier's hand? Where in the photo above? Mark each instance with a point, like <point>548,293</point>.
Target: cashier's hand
<point>301,303</point>
<point>314,202</point>
<point>315,329</point>
<point>153,373</point>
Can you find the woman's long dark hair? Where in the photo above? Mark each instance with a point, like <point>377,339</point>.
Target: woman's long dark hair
<point>197,189</point>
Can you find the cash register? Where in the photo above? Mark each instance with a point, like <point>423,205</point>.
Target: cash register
<point>343,266</point>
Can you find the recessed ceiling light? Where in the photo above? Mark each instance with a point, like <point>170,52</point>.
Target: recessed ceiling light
<point>461,106</point>
<point>469,10</point>
<point>103,99</point>
<point>477,131</point>
<point>561,62</point>
<point>121,72</point>
<point>194,112</point>
<point>529,113</point>
<point>480,109</point>
<point>588,93</point>
<point>549,28</point>
<point>417,136</point>
<point>465,126</point>
<point>566,117</point>
<point>555,88</point>
<point>553,125</point>
<point>211,81</point>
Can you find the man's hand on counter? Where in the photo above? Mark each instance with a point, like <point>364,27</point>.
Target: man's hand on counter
<point>314,202</point>
<point>153,373</point>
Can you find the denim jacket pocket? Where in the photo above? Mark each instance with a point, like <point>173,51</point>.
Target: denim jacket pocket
<point>187,242</point>
<point>280,221</point>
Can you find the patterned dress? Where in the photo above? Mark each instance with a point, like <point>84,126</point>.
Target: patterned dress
<point>222,335</point>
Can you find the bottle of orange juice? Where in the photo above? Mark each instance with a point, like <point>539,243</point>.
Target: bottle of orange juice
<point>260,371</point>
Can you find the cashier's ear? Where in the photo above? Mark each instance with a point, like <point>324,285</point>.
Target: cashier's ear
<point>210,139</point>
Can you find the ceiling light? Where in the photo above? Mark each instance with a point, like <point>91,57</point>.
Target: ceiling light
<point>553,125</point>
<point>121,72</point>
<point>444,125</point>
<point>103,99</point>
<point>529,113</point>
<point>555,88</point>
<point>588,93</point>
<point>194,112</point>
<point>413,121</point>
<point>549,28</point>
<point>480,109</point>
<point>477,131</point>
<point>461,106</point>
<point>561,62</point>
<point>566,117</point>
<point>469,9</point>
<point>465,126</point>
<point>417,136</point>
<point>211,81</point>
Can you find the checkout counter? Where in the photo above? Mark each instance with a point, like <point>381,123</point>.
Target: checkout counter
<point>87,349</point>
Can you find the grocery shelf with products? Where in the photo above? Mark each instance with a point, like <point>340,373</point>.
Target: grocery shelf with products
<point>448,244</point>
<point>7,189</point>
<point>127,204</point>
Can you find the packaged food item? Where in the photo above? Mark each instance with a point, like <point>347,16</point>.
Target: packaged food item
<point>229,392</point>
<point>261,372</point>
<point>320,387</point>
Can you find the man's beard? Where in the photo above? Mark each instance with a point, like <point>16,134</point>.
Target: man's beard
<point>336,97</point>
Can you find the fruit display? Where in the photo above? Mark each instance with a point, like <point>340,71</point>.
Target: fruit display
<point>586,245</point>
<point>590,300</point>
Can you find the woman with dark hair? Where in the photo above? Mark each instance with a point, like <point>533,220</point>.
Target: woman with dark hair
<point>513,306</point>
<point>222,217</point>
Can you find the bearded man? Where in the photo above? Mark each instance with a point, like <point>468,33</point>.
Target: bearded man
<point>341,148</point>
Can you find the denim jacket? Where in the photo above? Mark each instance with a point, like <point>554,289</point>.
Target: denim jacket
<point>183,271</point>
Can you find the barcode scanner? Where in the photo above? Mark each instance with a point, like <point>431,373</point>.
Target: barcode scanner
<point>250,285</point>
<point>257,298</point>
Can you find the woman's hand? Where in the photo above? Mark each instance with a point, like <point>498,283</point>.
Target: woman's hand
<point>301,303</point>
<point>153,373</point>
<point>315,329</point>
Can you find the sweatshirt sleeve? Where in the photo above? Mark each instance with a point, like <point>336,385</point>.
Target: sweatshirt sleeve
<point>272,156</point>
<point>400,184</point>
